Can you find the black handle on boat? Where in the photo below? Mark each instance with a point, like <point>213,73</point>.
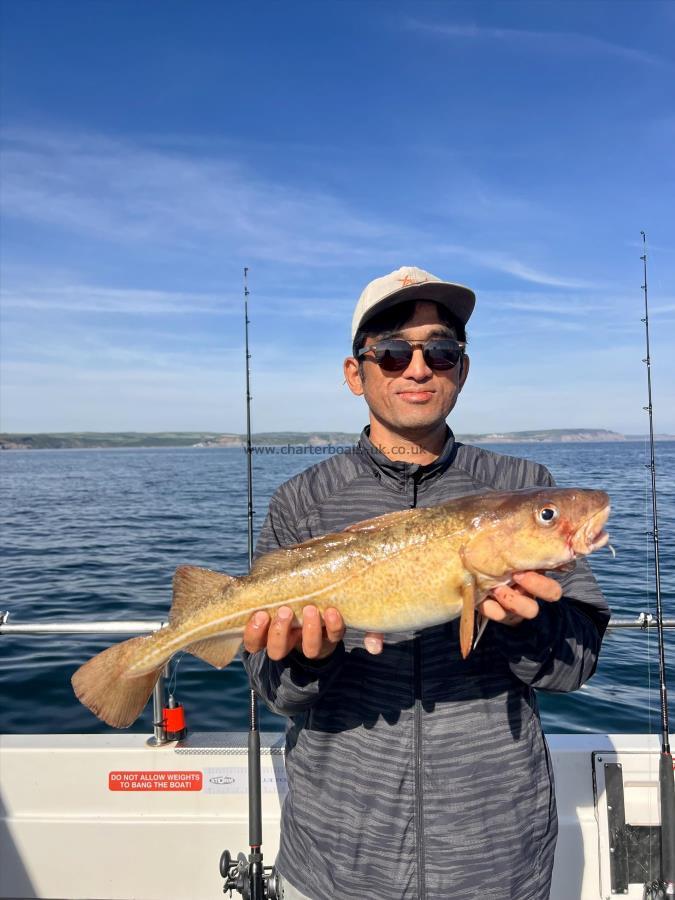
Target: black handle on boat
<point>256,870</point>
<point>254,779</point>
<point>667,791</point>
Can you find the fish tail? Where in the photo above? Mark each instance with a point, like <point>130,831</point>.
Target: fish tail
<point>100,684</point>
<point>117,683</point>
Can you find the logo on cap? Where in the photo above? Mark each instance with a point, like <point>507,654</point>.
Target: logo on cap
<point>408,279</point>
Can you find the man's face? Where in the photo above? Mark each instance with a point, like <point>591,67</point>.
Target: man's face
<point>418,398</point>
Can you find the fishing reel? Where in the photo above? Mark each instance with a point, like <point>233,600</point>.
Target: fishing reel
<point>656,890</point>
<point>249,877</point>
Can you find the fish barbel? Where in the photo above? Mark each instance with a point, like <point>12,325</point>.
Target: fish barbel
<point>403,570</point>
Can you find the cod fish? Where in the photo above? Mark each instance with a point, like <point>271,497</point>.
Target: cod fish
<point>400,571</point>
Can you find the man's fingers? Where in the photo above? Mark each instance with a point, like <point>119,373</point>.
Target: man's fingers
<point>282,636</point>
<point>255,633</point>
<point>373,642</point>
<point>510,605</point>
<point>539,585</point>
<point>312,632</point>
<point>513,601</point>
<point>491,609</point>
<point>335,626</point>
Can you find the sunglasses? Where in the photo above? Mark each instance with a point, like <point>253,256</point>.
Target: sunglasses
<point>395,354</point>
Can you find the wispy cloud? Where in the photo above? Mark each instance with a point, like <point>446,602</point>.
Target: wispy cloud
<point>151,197</point>
<point>115,386</point>
<point>548,308</point>
<point>125,193</point>
<point>559,41</point>
<point>48,292</point>
<point>81,298</point>
<point>662,309</point>
<point>504,262</point>
<point>658,248</point>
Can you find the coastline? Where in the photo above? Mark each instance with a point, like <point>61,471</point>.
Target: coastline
<point>312,441</point>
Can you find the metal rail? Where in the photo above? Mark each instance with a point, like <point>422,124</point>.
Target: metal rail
<point>643,622</point>
<point>131,626</point>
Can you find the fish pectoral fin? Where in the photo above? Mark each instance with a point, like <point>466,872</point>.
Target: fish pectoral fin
<point>387,520</point>
<point>467,622</point>
<point>217,651</point>
<point>195,588</point>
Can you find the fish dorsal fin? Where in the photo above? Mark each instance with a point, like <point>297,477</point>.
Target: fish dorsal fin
<point>195,588</point>
<point>217,651</point>
<point>388,520</point>
<point>271,562</point>
<point>277,560</point>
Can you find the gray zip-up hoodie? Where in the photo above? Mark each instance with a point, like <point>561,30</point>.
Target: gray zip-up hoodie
<point>416,774</point>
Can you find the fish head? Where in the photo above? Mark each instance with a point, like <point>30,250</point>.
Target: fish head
<point>540,528</point>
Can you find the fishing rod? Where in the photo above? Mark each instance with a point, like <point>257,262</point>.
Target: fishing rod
<point>665,887</point>
<point>249,447</point>
<point>249,876</point>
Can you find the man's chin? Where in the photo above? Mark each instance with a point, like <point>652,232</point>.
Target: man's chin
<point>418,423</point>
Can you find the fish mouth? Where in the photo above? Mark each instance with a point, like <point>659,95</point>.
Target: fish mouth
<point>590,535</point>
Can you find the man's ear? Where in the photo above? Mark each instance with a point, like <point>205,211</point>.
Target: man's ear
<point>352,373</point>
<point>464,371</point>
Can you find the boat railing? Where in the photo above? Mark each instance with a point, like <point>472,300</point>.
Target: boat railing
<point>643,622</point>
<point>130,626</point>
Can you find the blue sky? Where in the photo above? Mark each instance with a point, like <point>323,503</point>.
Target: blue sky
<point>150,150</point>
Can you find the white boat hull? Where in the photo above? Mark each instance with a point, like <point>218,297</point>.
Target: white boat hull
<point>108,817</point>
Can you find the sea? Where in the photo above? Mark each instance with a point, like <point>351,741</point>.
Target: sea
<point>92,535</point>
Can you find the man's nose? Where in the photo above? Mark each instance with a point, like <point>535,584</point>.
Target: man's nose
<point>418,367</point>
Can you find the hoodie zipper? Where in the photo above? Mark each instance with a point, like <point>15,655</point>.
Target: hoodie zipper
<point>418,759</point>
<point>418,764</point>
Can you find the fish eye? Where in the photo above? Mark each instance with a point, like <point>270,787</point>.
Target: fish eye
<point>547,514</point>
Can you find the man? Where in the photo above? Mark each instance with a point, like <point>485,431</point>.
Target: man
<point>414,773</point>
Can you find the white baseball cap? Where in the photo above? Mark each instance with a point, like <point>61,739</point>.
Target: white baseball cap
<point>411,283</point>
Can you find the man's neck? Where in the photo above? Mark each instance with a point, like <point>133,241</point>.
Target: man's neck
<point>420,449</point>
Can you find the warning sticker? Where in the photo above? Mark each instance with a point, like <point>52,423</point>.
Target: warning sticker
<point>155,781</point>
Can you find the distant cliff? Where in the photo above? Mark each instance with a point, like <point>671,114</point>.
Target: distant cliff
<point>546,436</point>
<point>127,439</point>
<point>74,440</point>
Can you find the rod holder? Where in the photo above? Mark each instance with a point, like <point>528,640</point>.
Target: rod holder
<point>159,738</point>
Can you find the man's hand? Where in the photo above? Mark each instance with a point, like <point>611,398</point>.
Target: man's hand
<point>316,639</point>
<point>510,605</point>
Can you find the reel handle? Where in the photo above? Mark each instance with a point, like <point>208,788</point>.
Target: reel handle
<point>248,876</point>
